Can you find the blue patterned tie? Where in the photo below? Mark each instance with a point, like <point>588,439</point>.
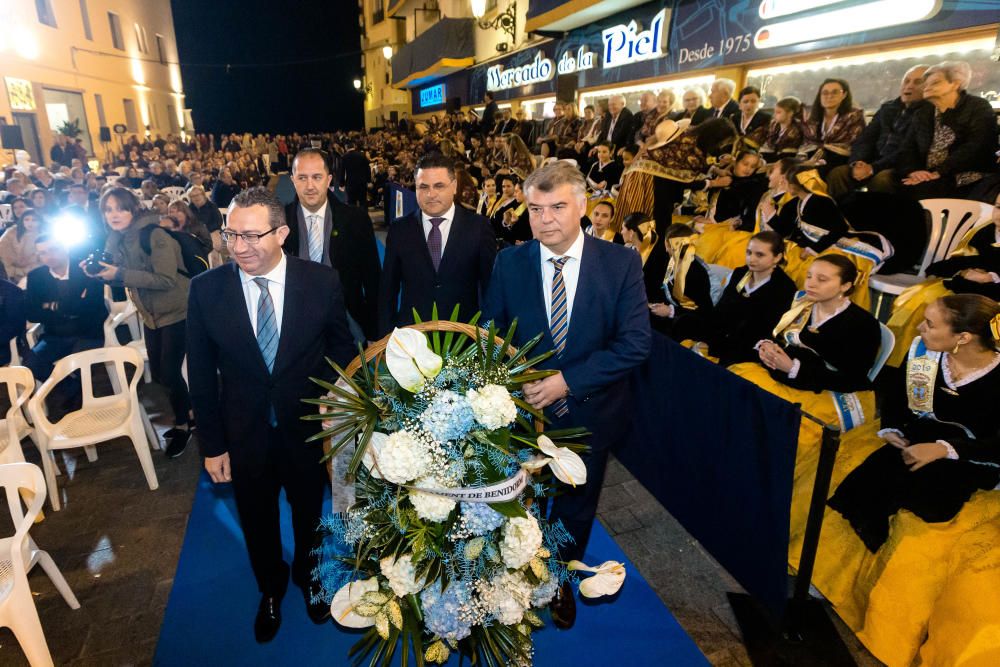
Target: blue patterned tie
<point>559,321</point>
<point>267,334</point>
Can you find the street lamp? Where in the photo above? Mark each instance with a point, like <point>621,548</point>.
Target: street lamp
<point>387,52</point>
<point>357,84</point>
<point>505,20</point>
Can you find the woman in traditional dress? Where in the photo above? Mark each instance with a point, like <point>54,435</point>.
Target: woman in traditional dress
<point>687,312</point>
<point>507,202</point>
<point>514,225</point>
<point>639,233</point>
<point>784,136</point>
<point>600,222</point>
<point>489,198</point>
<point>733,207</point>
<point>752,303</point>
<point>677,160</point>
<point>972,268</point>
<point>834,123</point>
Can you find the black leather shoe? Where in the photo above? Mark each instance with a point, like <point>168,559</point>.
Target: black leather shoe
<point>268,620</point>
<point>563,608</point>
<point>318,611</point>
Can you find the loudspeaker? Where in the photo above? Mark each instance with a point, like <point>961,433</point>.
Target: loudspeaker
<point>10,137</point>
<point>566,85</point>
<point>105,134</point>
<point>454,104</point>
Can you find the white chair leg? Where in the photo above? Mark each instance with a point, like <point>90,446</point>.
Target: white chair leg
<point>49,565</point>
<point>51,469</point>
<point>27,628</point>
<point>151,435</point>
<point>138,437</point>
<point>113,376</point>
<point>91,453</point>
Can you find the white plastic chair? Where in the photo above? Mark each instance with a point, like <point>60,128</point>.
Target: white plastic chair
<point>18,555</point>
<point>125,313</point>
<point>100,419</point>
<point>6,212</point>
<point>14,428</point>
<point>951,220</point>
<point>884,350</point>
<point>15,353</point>
<point>175,192</point>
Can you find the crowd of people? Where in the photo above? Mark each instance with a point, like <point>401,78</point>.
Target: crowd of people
<point>756,233</point>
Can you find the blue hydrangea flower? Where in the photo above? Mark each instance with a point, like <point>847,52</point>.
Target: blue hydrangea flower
<point>480,518</point>
<point>443,611</point>
<point>448,417</point>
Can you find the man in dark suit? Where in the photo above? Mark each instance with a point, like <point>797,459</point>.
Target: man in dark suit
<point>617,123</point>
<point>720,97</point>
<point>256,331</point>
<point>490,114</point>
<point>439,254</point>
<point>587,296</point>
<point>323,229</point>
<point>355,173</point>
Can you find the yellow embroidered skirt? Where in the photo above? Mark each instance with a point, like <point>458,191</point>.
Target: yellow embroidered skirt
<point>908,313</point>
<point>797,266</point>
<point>719,244</point>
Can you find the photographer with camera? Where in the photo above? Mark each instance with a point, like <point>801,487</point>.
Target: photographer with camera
<point>150,264</point>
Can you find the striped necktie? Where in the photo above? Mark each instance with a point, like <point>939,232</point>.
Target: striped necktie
<point>559,320</point>
<point>267,325</point>
<point>315,224</point>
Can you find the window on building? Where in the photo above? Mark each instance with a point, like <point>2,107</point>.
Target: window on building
<point>85,15</point>
<point>378,11</point>
<point>161,49</point>
<point>101,118</point>
<point>131,119</point>
<point>45,13</point>
<point>116,31</point>
<point>172,119</point>
<point>140,39</point>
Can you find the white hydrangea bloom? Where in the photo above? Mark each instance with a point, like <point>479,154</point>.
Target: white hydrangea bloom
<point>402,458</point>
<point>401,575</point>
<point>506,597</point>
<point>521,540</point>
<point>429,506</point>
<point>492,406</point>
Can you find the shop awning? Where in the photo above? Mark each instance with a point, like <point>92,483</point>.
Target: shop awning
<point>563,15</point>
<point>445,47</point>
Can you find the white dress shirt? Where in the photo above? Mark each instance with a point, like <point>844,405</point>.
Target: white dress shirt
<point>276,287</point>
<point>444,227</point>
<point>570,272</point>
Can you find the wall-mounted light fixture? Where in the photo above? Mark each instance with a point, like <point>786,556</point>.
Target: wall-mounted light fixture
<point>505,20</point>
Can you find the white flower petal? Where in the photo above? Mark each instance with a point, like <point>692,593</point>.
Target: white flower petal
<point>535,463</point>
<point>566,464</point>
<point>410,359</point>
<point>607,580</point>
<point>371,456</point>
<point>342,606</point>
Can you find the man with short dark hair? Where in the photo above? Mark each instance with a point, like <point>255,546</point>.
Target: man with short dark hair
<point>442,254</point>
<point>325,230</point>
<point>489,120</point>
<point>257,330</point>
<point>355,173</point>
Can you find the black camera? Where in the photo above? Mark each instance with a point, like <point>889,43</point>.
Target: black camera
<point>93,265</point>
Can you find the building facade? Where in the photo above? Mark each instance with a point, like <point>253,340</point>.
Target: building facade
<point>108,66</point>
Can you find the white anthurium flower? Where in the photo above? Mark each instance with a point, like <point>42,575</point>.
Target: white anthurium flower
<point>607,580</point>
<point>349,595</point>
<point>566,464</point>
<point>535,463</point>
<point>370,458</point>
<point>410,359</point>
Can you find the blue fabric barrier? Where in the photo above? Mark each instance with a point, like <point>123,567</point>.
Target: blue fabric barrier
<point>209,616</point>
<point>719,453</point>
<point>399,202</point>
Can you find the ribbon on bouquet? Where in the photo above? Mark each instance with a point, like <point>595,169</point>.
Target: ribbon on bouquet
<point>498,492</point>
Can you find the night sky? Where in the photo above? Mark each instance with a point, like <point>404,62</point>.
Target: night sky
<point>277,93</point>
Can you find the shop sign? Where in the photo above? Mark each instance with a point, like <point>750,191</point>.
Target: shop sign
<point>539,70</point>
<point>432,96</point>
<point>583,60</point>
<point>625,44</point>
<point>21,94</point>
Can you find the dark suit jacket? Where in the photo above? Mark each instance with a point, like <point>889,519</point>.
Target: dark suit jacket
<point>352,250</point>
<point>355,170</point>
<point>700,115</point>
<point>623,127</point>
<point>609,332</point>
<point>731,109</point>
<point>462,276</point>
<point>489,119</point>
<point>231,389</point>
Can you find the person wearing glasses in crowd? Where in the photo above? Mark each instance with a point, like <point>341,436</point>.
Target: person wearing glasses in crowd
<point>258,329</point>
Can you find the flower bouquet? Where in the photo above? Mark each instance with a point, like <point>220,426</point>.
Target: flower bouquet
<point>444,548</point>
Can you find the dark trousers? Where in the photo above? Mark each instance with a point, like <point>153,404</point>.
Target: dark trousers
<point>666,195</point>
<point>303,478</point>
<point>166,348</point>
<point>51,349</point>
<point>357,195</point>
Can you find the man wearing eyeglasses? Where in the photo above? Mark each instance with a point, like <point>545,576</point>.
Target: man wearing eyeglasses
<point>440,254</point>
<point>257,330</point>
<point>323,229</point>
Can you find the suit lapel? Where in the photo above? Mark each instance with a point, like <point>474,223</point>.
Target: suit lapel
<point>539,289</point>
<point>233,293</point>
<point>421,242</point>
<point>455,237</point>
<point>581,298</point>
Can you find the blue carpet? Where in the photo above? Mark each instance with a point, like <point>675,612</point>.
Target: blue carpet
<point>209,617</point>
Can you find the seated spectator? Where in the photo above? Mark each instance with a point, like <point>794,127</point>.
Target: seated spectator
<point>204,209</point>
<point>639,233</point>
<point>12,317</point>
<point>489,198</point>
<point>172,177</point>
<point>784,135</point>
<point>751,122</point>
<point>149,189</point>
<point>665,101</point>
<point>161,203</point>
<point>189,222</point>
<point>951,144</point>
<point>943,443</point>
<point>688,309</point>
<point>507,203</point>
<point>604,173</point>
<point>755,298</point>
<point>43,202</point>
<point>972,268</point>
<point>600,223</point>
<point>224,189</point>
<point>694,109</point>
<point>17,246</point>
<point>17,209</point>
<point>519,159</point>
<point>732,212</point>
<point>811,220</point>
<point>15,189</point>
<point>515,227</point>
<point>833,125</point>
<point>875,154</point>
<point>80,206</point>
<point>67,303</point>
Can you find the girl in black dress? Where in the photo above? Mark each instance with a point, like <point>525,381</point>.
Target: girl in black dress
<point>687,287</point>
